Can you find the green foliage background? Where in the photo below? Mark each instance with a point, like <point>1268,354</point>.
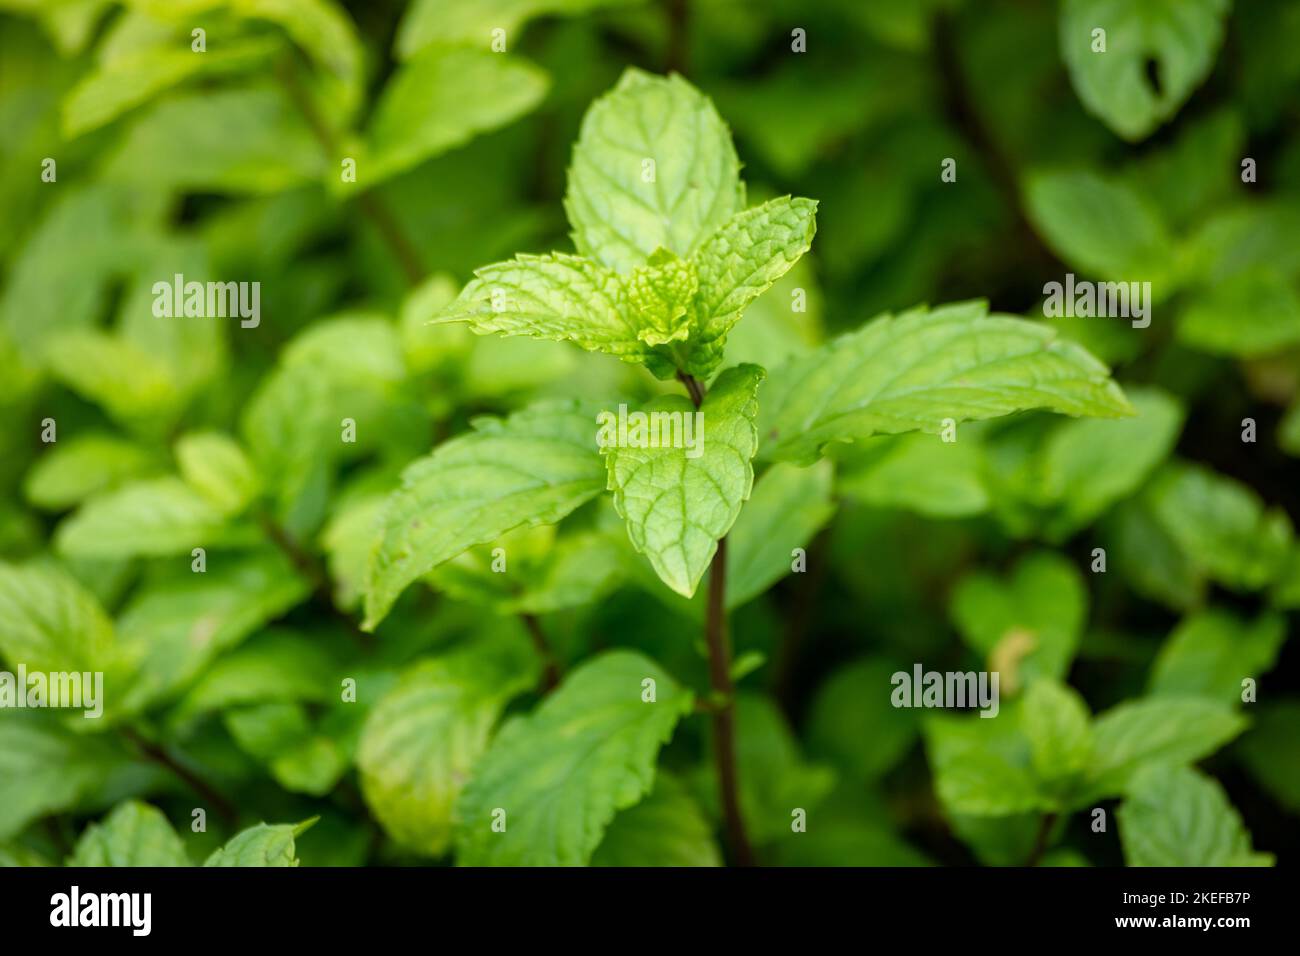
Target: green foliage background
<point>1121,690</point>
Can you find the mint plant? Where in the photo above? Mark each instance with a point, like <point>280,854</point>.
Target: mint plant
<point>927,495</point>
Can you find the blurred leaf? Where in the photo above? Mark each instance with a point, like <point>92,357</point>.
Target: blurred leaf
<point>472,21</point>
<point>74,469</point>
<point>666,828</point>
<point>918,472</point>
<point>262,845</point>
<point>1271,751</point>
<point>1175,816</point>
<point>1250,314</point>
<point>1210,654</point>
<point>214,465</point>
<point>1156,53</point>
<point>301,754</point>
<point>425,736</point>
<point>1056,723</point>
<point>51,623</point>
<point>561,773</point>
<point>853,724</point>
<point>442,98</point>
<point>134,834</point>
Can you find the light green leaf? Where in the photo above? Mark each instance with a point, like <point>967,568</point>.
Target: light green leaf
<point>1029,626</point>
<point>1139,733</point>
<point>1181,38</point>
<point>740,262</point>
<point>214,465</point>
<point>52,623</point>
<point>472,21</point>
<point>76,468</point>
<point>560,774</point>
<point>134,834</point>
<point>532,468</point>
<point>667,828</point>
<point>983,767</point>
<point>1221,525</point>
<point>853,724</point>
<point>918,472</point>
<point>661,295</point>
<point>155,517</point>
<point>1175,816</point>
<point>441,99</point>
<point>249,140</point>
<point>262,845</point>
<point>425,736</point>
<point>677,506</point>
<point>1056,723</point>
<point>654,167</point>
<point>1248,315</point>
<point>558,297</point>
<point>912,372</point>
<point>788,507</point>
<point>1210,653</point>
<point>129,382</point>
<point>1102,227</point>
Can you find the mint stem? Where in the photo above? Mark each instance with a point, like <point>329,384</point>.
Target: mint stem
<point>724,715</point>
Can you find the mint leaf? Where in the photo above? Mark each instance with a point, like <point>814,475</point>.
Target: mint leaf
<point>262,845</point>
<point>1175,816</point>
<point>918,472</point>
<point>425,736</point>
<point>134,834</point>
<point>667,828</point>
<point>561,773</point>
<point>532,468</point>
<point>788,507</point>
<point>155,517</point>
<point>740,262</point>
<point>654,167</point>
<point>1138,733</point>
<point>911,372</point>
<point>983,767</point>
<point>1056,724</point>
<point>51,622</point>
<point>853,724</point>
<point>73,470</point>
<point>1221,525</point>
<point>302,754</point>
<point>1248,315</point>
<point>472,21</point>
<point>676,506</point>
<point>216,467</point>
<point>1210,653</point>
<point>1181,37</point>
<point>441,99</point>
<point>661,295</point>
<point>1028,626</point>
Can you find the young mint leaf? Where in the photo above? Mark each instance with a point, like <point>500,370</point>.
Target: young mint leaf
<point>1176,816</point>
<point>1210,653</point>
<point>441,99</point>
<point>216,467</point>
<point>914,371</point>
<point>553,781</point>
<point>424,737</point>
<point>1251,314</point>
<point>661,295</point>
<point>740,262</point>
<point>983,767</point>
<point>559,297</point>
<point>1139,733</point>
<point>1181,38</point>
<point>531,468</point>
<point>134,834</point>
<point>667,828</point>
<point>262,845</point>
<point>654,167</point>
<point>677,506</point>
